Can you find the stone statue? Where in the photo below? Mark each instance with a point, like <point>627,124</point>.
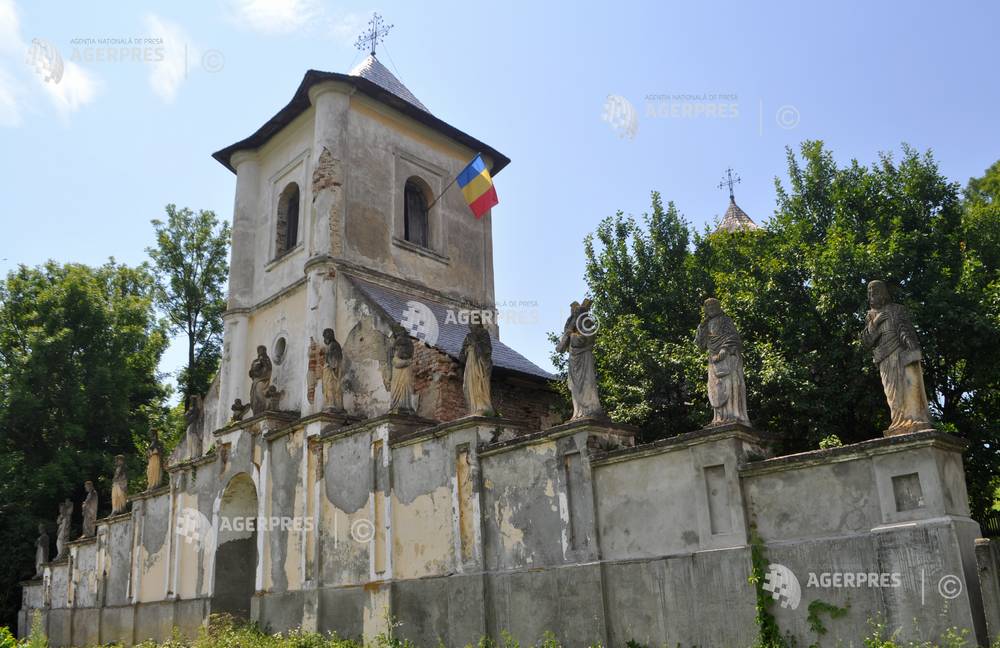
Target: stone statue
<point>119,487</point>
<point>89,509</point>
<point>896,351</point>
<point>333,367</point>
<point>41,550</point>
<point>194,410</point>
<point>582,378</point>
<point>154,463</point>
<point>727,389</point>
<point>63,523</point>
<point>477,356</point>
<point>239,410</point>
<point>401,396</point>
<point>260,374</point>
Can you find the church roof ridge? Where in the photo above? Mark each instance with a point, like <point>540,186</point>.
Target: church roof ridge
<point>373,70</point>
<point>300,103</point>
<point>735,219</point>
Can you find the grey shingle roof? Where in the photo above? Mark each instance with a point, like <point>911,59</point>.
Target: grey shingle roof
<point>371,69</point>
<point>736,220</point>
<point>450,334</point>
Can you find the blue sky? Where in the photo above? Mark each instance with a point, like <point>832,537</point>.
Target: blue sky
<point>86,163</point>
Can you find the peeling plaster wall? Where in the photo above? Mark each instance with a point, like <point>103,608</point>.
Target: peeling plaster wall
<point>422,509</point>
<point>281,319</point>
<point>522,522</point>
<point>384,149</point>
<point>345,505</point>
<point>286,501</point>
<point>152,552</point>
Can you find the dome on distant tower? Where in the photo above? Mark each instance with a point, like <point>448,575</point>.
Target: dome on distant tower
<point>736,220</point>
<point>374,71</point>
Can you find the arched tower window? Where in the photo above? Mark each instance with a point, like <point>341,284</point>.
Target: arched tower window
<point>287,235</point>
<point>416,228</point>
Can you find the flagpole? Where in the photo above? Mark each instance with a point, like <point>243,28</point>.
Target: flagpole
<point>434,202</point>
<point>453,181</point>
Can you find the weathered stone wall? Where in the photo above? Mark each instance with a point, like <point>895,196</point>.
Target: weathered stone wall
<point>477,526</point>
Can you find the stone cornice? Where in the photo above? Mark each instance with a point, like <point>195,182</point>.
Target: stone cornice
<point>686,440</point>
<point>855,451</point>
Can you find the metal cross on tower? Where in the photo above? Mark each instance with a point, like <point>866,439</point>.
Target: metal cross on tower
<point>376,33</point>
<point>728,181</point>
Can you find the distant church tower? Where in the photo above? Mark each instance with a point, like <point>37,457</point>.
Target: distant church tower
<point>735,220</point>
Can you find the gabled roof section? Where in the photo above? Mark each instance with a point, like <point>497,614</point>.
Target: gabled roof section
<point>371,88</point>
<point>736,220</point>
<point>374,71</point>
<point>450,334</point>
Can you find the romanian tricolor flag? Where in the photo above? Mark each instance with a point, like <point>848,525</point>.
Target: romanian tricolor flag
<point>477,187</point>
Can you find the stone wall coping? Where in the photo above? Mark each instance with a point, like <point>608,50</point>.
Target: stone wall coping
<point>685,440</point>
<point>333,419</point>
<point>149,494</point>
<point>604,425</point>
<point>113,519</point>
<point>455,425</point>
<point>365,425</point>
<point>207,458</point>
<point>280,416</point>
<point>81,541</point>
<point>855,451</point>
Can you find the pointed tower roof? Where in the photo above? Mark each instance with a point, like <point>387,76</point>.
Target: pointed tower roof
<point>374,71</point>
<point>736,220</point>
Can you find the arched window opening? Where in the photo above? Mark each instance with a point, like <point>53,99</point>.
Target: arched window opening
<point>415,222</point>
<point>287,235</point>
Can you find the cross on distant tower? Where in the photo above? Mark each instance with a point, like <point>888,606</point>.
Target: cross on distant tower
<point>728,181</point>
<point>377,31</point>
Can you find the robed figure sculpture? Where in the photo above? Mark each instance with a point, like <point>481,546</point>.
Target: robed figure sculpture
<point>260,375</point>
<point>727,389</point>
<point>578,338</point>
<point>333,370</point>
<point>401,396</point>
<point>896,352</point>
<point>477,356</point>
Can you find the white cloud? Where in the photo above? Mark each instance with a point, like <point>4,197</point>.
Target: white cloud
<point>169,73</point>
<point>274,16</point>
<point>11,91</point>
<point>347,27</point>
<point>10,29</point>
<point>77,88</point>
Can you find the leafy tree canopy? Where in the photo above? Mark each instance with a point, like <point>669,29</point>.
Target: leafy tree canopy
<point>79,348</point>
<point>796,289</point>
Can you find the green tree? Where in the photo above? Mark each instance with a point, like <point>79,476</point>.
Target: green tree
<point>191,262</point>
<point>79,348</point>
<point>796,289</point>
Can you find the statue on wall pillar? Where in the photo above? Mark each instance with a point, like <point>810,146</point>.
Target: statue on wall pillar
<point>89,509</point>
<point>890,334</point>
<point>260,375</point>
<point>401,396</point>
<point>477,357</point>
<point>578,339</point>
<point>154,463</point>
<point>119,487</point>
<point>63,522</point>
<point>727,389</point>
<point>333,368</point>
<point>41,550</point>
